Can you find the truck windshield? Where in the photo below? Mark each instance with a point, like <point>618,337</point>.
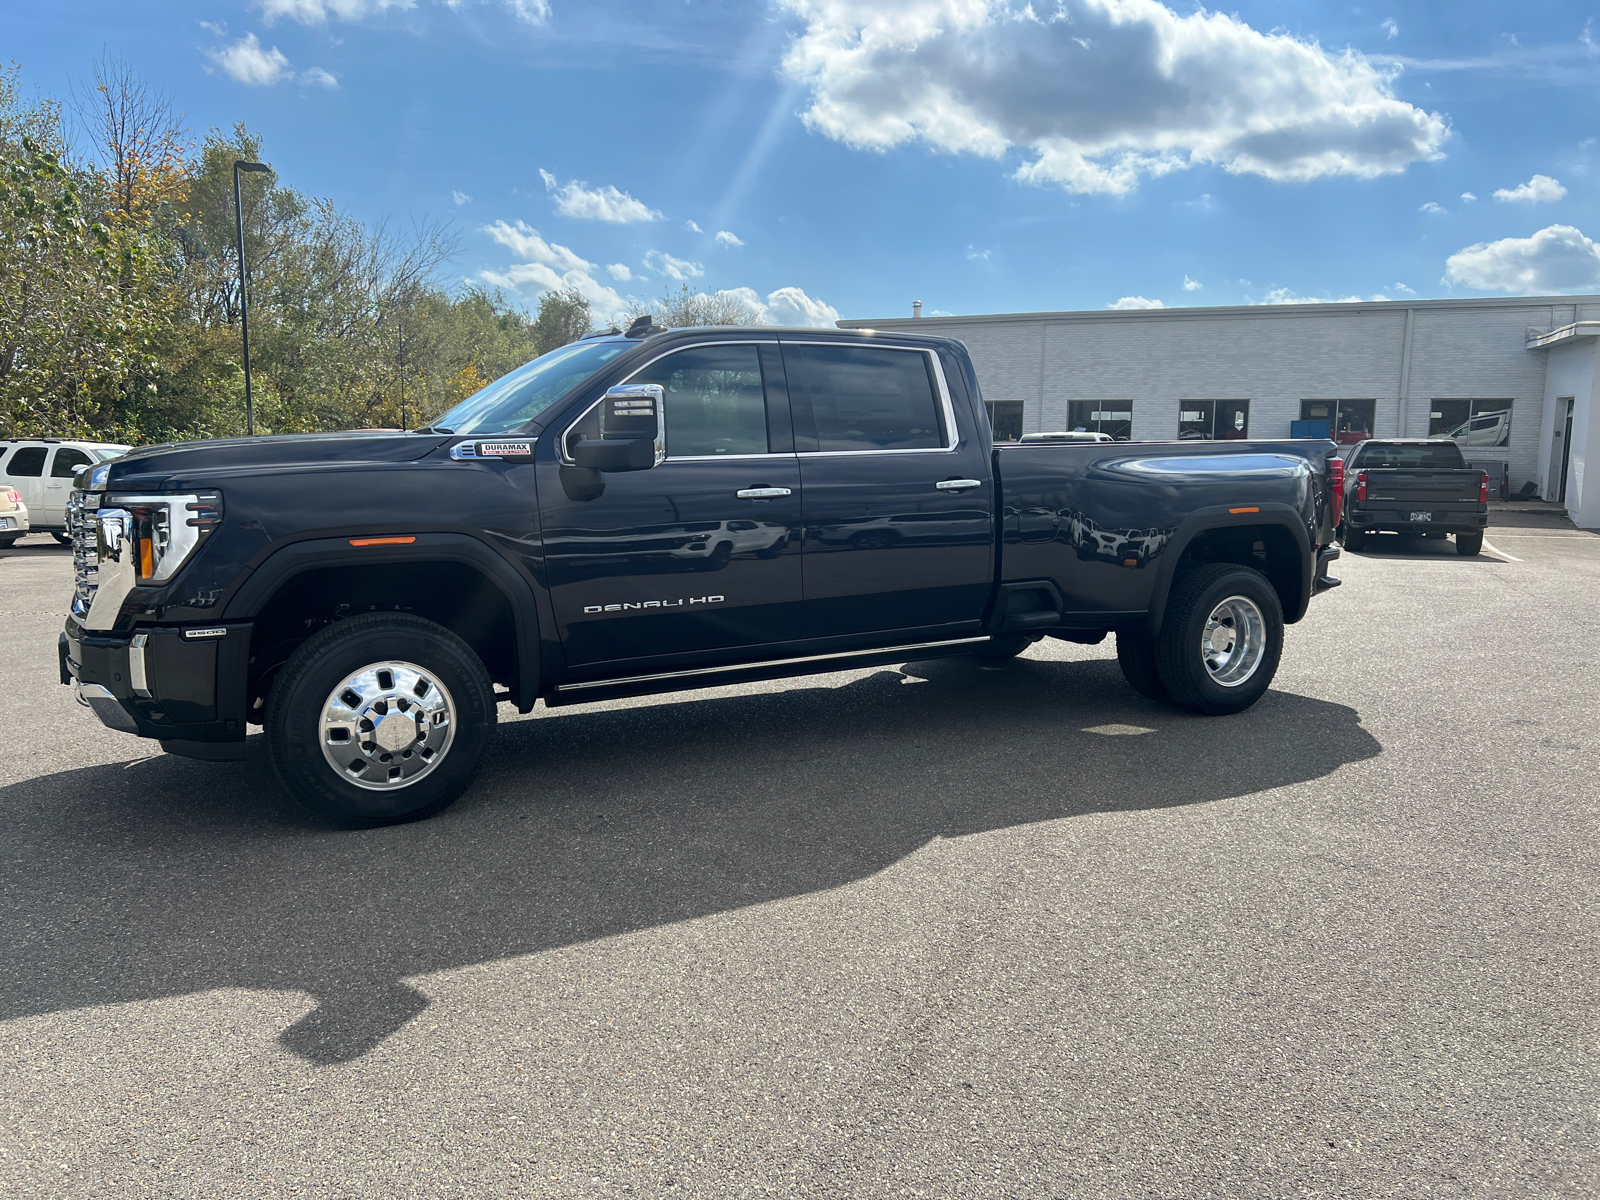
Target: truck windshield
<point>519,396</point>
<point>1444,456</point>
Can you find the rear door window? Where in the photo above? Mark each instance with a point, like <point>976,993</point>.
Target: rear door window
<point>26,463</point>
<point>867,397</point>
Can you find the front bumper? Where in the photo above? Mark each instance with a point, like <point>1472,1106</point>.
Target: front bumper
<point>163,682</point>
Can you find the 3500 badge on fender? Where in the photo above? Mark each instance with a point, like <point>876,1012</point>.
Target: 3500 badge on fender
<point>629,605</point>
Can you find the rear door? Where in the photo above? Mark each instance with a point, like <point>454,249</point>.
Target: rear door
<point>23,469</point>
<point>898,508</point>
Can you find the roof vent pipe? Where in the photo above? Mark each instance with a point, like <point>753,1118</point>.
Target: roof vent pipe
<point>916,308</point>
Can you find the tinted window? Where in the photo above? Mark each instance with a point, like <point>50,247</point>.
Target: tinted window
<point>67,461</point>
<point>1005,420</point>
<point>1113,417</point>
<point>26,462</point>
<point>1208,420</point>
<point>715,401</point>
<point>1443,456</point>
<point>864,398</point>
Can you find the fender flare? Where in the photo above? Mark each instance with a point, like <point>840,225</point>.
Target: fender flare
<point>1205,520</point>
<point>313,554</point>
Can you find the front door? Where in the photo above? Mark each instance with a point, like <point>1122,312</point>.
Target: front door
<point>64,464</point>
<point>899,508</point>
<point>699,554</point>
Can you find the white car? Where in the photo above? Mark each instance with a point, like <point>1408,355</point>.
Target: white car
<point>13,517</point>
<point>1066,435</point>
<point>41,469</point>
<point>711,549</point>
<point>1485,429</point>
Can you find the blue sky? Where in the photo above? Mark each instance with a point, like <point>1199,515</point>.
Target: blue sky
<point>978,155</point>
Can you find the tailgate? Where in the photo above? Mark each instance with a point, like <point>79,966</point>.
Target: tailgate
<point>1423,486</point>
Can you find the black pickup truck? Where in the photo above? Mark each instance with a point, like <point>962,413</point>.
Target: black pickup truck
<point>1413,485</point>
<point>652,511</point>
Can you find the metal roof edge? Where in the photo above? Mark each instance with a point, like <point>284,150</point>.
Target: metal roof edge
<point>1326,307</point>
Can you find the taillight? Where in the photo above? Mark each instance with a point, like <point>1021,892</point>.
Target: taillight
<point>1483,488</point>
<point>1361,485</point>
<point>1336,479</point>
<point>13,496</point>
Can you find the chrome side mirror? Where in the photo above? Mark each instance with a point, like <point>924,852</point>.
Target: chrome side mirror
<point>633,429</point>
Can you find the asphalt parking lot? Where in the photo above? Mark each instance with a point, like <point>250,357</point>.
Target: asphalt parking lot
<point>950,930</point>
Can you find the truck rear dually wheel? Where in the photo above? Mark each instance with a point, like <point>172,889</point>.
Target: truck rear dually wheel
<point>1136,655</point>
<point>1221,639</point>
<point>379,719</point>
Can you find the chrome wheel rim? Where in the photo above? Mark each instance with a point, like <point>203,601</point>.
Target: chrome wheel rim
<point>387,725</point>
<point>1234,641</point>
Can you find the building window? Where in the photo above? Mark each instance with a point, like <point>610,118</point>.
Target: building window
<point>1213,420</point>
<point>1474,423</point>
<point>1005,419</point>
<point>1349,421</point>
<point>1114,417</point>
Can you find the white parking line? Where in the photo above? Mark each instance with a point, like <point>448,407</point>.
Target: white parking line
<point>1493,549</point>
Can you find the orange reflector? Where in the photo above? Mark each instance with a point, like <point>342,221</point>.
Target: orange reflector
<point>1130,562</point>
<point>1239,510</point>
<point>388,541</point>
<point>147,565</point>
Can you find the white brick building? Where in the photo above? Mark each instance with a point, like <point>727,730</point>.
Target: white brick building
<point>1493,373</point>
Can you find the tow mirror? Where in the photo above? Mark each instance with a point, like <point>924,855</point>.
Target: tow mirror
<point>633,433</point>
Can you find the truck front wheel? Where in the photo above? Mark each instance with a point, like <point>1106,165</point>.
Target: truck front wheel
<point>379,719</point>
<point>1221,639</point>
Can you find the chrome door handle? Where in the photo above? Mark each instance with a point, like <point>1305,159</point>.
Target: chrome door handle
<point>761,493</point>
<point>957,485</point>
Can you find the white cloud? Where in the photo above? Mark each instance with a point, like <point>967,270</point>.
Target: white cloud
<point>724,238</point>
<point>1391,29</point>
<point>1137,302</point>
<point>1467,197</point>
<point>247,63</point>
<point>460,198</point>
<point>1400,287</point>
<point>534,12</point>
<point>526,244</point>
<point>1431,207</point>
<point>573,199</point>
<point>320,78</point>
<point>1559,258</point>
<point>1285,296</point>
<point>1100,93</point>
<point>791,306</point>
<point>619,271</point>
<point>1191,285</point>
<point>1541,189</point>
<point>680,269</point>
<point>976,255</point>
<point>692,227</point>
<point>317,12</point>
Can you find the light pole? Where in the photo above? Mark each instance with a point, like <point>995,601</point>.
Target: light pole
<point>244,298</point>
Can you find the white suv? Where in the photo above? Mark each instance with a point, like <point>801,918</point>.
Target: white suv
<point>42,470</point>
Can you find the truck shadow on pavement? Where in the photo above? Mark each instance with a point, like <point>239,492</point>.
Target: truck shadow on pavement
<point>166,876</point>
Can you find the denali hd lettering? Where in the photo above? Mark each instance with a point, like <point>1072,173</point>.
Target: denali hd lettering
<point>282,582</point>
<point>643,604</point>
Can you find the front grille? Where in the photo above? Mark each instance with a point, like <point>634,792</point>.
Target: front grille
<point>83,529</point>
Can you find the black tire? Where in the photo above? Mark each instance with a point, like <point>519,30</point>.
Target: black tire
<point>307,682</point>
<point>1136,655</point>
<point>7,543</point>
<point>1354,540</point>
<point>1180,658</point>
<point>1469,543</point>
<point>64,539</point>
<point>1007,645</point>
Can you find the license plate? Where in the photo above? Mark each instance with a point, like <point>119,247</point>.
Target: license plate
<point>1422,516</point>
<point>5,522</point>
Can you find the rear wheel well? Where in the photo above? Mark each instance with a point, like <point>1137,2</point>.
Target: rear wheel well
<point>453,594</point>
<point>1270,549</point>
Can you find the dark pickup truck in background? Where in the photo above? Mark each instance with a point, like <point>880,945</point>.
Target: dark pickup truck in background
<point>652,511</point>
<point>1417,485</point>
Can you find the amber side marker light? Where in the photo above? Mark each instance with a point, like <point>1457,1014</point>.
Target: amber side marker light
<point>388,541</point>
<point>1240,510</point>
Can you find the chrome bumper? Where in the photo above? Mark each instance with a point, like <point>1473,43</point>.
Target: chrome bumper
<point>104,705</point>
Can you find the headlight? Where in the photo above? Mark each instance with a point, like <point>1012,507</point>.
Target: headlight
<point>97,477</point>
<point>159,533</point>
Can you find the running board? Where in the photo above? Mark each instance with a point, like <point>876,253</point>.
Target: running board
<point>590,691</point>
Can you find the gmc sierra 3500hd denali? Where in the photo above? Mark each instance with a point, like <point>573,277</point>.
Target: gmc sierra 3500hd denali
<point>652,511</point>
